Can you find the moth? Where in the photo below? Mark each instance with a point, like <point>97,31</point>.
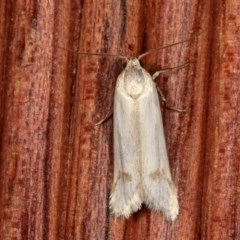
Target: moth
<point>141,166</point>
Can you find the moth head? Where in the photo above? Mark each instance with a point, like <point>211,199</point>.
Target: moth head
<point>133,63</point>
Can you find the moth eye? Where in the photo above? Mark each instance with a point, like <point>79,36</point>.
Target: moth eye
<point>124,64</point>
<point>141,63</point>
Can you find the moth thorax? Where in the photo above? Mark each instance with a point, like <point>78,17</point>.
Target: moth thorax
<point>134,82</point>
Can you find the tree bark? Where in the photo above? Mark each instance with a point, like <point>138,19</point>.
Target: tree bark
<point>56,167</point>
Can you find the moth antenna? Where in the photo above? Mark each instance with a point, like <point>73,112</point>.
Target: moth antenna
<point>95,54</point>
<point>160,48</point>
<point>167,46</point>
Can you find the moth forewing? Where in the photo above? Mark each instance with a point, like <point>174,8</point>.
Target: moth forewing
<point>141,168</point>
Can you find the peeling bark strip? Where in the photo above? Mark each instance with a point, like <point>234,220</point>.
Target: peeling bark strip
<point>56,169</point>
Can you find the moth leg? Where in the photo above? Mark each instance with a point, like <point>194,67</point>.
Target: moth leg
<point>109,115</point>
<point>177,109</point>
<point>164,70</point>
<point>156,74</point>
<point>165,101</point>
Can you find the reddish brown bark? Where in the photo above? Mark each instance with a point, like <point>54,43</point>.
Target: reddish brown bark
<point>56,167</point>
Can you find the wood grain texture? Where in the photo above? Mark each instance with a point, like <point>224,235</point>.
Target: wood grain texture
<point>56,167</point>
